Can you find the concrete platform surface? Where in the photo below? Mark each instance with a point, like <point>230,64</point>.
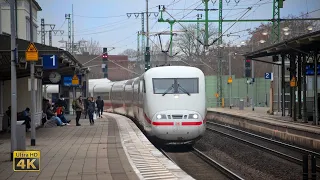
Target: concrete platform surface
<point>112,149</point>
<point>285,128</point>
<point>72,152</point>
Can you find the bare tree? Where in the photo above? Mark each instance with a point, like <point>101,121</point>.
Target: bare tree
<point>92,47</point>
<point>188,43</point>
<point>131,53</point>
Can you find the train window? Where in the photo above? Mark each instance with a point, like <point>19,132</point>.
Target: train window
<point>161,86</point>
<point>189,85</point>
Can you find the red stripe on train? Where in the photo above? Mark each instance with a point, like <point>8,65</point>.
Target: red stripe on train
<point>191,123</point>
<point>162,123</point>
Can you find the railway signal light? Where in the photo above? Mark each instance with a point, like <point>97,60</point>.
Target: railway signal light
<point>105,62</point>
<point>248,63</point>
<point>247,67</point>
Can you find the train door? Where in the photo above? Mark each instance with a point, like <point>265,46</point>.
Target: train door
<point>132,98</point>
<point>112,97</point>
<point>138,99</point>
<point>123,92</point>
<point>111,94</point>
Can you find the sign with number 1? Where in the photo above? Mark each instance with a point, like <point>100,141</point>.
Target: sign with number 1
<point>50,62</point>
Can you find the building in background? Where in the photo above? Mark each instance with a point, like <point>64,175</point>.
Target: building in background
<point>23,18</point>
<point>118,66</point>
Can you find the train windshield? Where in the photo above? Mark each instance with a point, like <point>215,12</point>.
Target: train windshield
<point>181,85</point>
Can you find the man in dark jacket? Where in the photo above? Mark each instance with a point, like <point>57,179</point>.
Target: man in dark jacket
<point>25,115</point>
<point>61,102</point>
<point>100,105</point>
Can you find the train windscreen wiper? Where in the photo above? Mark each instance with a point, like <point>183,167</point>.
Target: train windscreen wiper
<point>167,90</point>
<point>185,91</point>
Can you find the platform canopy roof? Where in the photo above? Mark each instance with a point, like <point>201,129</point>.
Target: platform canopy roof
<point>67,63</point>
<point>304,44</point>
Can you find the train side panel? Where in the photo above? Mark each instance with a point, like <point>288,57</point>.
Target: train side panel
<point>135,98</point>
<point>117,97</point>
<point>128,96</point>
<point>104,91</point>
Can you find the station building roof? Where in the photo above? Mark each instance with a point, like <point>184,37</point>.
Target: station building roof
<point>302,44</point>
<point>67,62</point>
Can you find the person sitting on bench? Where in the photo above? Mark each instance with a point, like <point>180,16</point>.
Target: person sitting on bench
<point>51,115</point>
<point>25,115</point>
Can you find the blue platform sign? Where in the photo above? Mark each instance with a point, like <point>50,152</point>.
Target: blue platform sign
<point>310,69</point>
<point>67,81</point>
<point>267,75</point>
<point>50,62</point>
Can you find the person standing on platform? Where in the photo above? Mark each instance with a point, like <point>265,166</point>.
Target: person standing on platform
<point>91,109</point>
<point>86,101</point>
<point>100,105</point>
<point>79,109</point>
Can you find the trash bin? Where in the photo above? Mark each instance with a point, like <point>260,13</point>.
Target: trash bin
<point>241,104</point>
<point>21,136</point>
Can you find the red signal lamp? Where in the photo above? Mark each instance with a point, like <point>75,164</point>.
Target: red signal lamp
<point>105,56</point>
<point>248,60</point>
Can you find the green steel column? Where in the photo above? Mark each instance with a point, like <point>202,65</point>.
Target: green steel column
<point>275,38</point>
<point>206,23</point>
<point>199,16</point>
<point>275,32</point>
<point>198,24</point>
<point>143,42</point>
<point>219,70</point>
<point>138,46</point>
<point>171,34</point>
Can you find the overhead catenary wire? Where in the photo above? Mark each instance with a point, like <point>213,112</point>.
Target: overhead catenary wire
<point>110,45</point>
<point>103,25</point>
<point>248,9</point>
<point>63,24</point>
<point>101,32</point>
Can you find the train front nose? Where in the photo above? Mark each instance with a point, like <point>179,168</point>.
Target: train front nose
<point>175,125</point>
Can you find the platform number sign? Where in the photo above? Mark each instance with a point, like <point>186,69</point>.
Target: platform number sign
<point>267,75</point>
<point>50,62</point>
<point>26,161</point>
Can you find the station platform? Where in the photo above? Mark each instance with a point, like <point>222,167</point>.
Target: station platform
<point>283,128</point>
<point>113,148</point>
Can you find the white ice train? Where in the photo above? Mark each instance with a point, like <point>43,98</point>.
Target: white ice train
<point>168,102</point>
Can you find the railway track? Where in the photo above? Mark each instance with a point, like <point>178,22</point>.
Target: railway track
<point>199,165</point>
<point>285,151</point>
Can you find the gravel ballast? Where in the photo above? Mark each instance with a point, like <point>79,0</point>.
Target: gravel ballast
<point>246,161</point>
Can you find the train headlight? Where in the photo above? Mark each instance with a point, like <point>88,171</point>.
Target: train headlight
<point>193,116</point>
<point>161,116</point>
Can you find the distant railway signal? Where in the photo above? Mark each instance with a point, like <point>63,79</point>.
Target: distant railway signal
<point>105,62</point>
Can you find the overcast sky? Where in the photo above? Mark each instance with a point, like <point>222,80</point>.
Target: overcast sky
<point>106,20</point>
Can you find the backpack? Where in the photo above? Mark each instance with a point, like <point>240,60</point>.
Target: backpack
<point>74,104</point>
